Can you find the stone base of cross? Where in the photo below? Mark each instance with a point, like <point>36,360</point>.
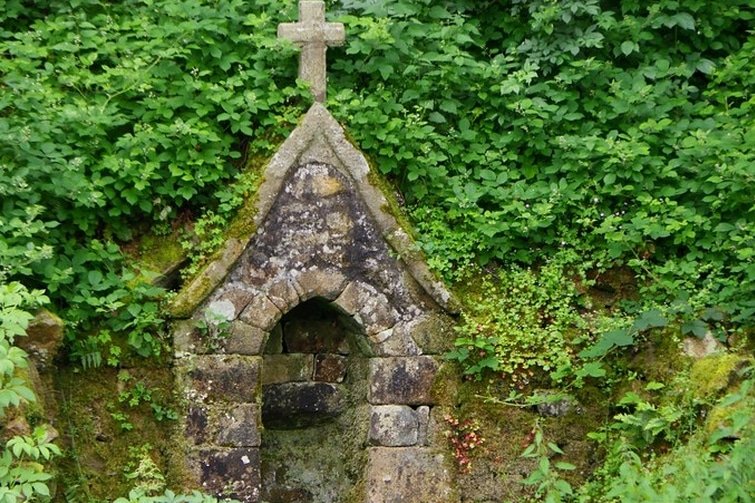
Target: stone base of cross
<point>313,35</point>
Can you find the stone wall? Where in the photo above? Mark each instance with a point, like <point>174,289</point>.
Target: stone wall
<point>319,241</point>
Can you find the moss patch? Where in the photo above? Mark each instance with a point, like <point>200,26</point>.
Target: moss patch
<point>98,450</point>
<point>712,375</point>
<point>497,468</point>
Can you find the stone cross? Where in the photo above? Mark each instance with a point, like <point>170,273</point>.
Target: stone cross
<point>313,35</point>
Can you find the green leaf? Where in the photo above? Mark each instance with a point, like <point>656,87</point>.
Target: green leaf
<point>698,328</point>
<point>650,319</point>
<point>94,277</point>
<point>706,66</point>
<point>628,47</point>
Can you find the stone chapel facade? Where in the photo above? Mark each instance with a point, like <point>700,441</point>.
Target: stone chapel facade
<point>308,352</point>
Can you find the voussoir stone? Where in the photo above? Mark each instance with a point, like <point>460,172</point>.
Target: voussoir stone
<point>325,283</point>
<point>398,380</point>
<point>393,426</point>
<point>261,313</point>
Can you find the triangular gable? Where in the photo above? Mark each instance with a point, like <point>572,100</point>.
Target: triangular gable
<point>319,139</point>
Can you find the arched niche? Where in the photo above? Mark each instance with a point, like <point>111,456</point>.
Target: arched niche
<point>314,411</point>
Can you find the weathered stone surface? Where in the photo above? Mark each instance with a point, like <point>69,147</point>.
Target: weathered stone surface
<point>186,338</point>
<point>44,336</point>
<point>330,368</point>
<point>325,283</point>
<point>393,426</point>
<point>220,310</point>
<point>196,424</point>
<point>238,426</point>
<point>700,348</point>
<point>368,306</point>
<point>283,294</point>
<point>261,313</point>
<point>408,475</point>
<point>432,332</point>
<point>423,417</point>
<point>243,339</point>
<point>287,368</point>
<point>298,405</point>
<point>313,336</point>
<point>406,381</point>
<point>230,378</point>
<point>397,343</point>
<point>232,473</point>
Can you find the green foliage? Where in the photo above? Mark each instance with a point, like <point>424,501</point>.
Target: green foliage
<point>22,474</point>
<point>528,320</point>
<point>138,496</point>
<point>550,487</point>
<point>121,114</point>
<point>624,129</point>
<point>144,472</point>
<point>711,466</point>
<point>134,394</point>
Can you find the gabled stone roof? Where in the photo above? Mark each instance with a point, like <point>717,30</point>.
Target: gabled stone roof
<point>318,139</point>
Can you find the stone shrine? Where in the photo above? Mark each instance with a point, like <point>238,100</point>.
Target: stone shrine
<point>308,351</point>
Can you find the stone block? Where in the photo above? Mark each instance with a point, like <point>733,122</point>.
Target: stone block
<point>313,336</point>
<point>315,282</point>
<point>244,339</point>
<point>196,424</point>
<point>406,381</point>
<point>261,313</point>
<point>220,310</point>
<point>423,417</point>
<point>393,426</point>
<point>397,343</point>
<point>433,333</point>
<point>231,473</point>
<point>283,294</point>
<point>408,475</point>
<point>368,306</point>
<point>287,368</point>
<point>238,295</point>
<point>238,426</point>
<point>299,405</point>
<point>227,378</point>
<point>187,338</point>
<point>330,368</point>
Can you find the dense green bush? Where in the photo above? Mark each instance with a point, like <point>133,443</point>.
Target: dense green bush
<point>623,129</point>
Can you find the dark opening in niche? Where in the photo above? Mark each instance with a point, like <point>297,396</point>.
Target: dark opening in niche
<point>314,408</point>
